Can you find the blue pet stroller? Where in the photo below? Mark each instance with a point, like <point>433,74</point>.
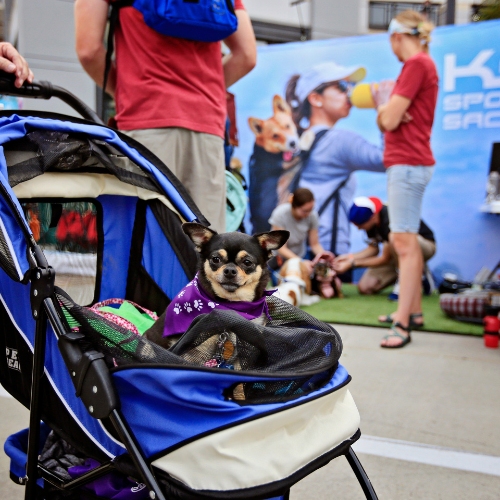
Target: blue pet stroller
<point>87,212</point>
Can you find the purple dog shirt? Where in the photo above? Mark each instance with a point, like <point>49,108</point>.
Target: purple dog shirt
<point>193,301</point>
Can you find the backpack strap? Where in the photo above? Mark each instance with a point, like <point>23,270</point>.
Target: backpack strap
<point>113,20</point>
<point>336,206</point>
<point>304,158</point>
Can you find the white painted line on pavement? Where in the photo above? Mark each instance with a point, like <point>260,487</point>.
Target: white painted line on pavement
<point>4,393</point>
<point>428,454</point>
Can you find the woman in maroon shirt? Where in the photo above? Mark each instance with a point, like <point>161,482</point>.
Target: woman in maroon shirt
<point>406,120</point>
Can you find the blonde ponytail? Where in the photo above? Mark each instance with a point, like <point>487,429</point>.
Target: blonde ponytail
<point>416,21</point>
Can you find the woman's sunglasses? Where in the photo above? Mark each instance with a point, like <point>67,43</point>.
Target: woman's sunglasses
<point>344,86</point>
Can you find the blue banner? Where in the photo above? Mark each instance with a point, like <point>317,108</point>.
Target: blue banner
<point>466,127</point>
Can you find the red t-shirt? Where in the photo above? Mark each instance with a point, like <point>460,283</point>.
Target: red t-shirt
<point>410,144</point>
<point>163,81</point>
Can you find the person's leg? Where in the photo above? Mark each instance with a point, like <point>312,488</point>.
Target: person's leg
<point>377,278</point>
<point>406,186</point>
<point>410,276</point>
<point>197,160</point>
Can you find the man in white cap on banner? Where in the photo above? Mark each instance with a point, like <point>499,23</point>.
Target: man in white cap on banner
<point>319,99</point>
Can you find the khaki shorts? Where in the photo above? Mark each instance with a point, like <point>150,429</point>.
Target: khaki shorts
<point>197,160</point>
<point>388,274</point>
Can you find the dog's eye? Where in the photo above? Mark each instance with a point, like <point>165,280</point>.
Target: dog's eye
<point>247,262</point>
<point>216,260</point>
<point>276,136</point>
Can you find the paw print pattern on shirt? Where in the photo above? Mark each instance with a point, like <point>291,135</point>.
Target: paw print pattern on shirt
<point>187,307</point>
<point>212,304</point>
<point>198,304</point>
<point>177,309</point>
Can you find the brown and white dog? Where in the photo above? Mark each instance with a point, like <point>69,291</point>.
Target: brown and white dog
<point>276,142</point>
<point>295,288</point>
<point>277,134</point>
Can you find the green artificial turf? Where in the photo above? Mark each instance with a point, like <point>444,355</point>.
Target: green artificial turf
<point>356,309</point>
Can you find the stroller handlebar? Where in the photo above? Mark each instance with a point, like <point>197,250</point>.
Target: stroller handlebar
<point>45,90</point>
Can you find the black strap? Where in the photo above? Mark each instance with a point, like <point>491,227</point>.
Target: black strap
<point>113,20</point>
<point>335,194</point>
<point>332,195</point>
<point>304,158</point>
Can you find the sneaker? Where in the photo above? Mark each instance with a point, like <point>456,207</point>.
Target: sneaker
<point>394,295</point>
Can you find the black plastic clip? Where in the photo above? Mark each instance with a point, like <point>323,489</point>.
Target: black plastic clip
<point>83,366</point>
<point>42,287</point>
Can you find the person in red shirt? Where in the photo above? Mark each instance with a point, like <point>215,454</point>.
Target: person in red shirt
<point>406,121</point>
<point>170,93</point>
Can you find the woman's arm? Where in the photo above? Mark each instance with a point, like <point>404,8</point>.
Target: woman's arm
<point>313,239</point>
<point>392,114</point>
<point>354,152</point>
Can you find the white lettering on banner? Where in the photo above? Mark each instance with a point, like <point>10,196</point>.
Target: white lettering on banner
<point>476,119</point>
<point>471,109</point>
<point>457,102</point>
<point>475,68</point>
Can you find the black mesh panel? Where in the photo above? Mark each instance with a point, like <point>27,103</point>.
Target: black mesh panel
<point>293,345</point>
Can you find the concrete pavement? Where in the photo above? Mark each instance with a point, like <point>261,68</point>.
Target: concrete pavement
<point>437,401</point>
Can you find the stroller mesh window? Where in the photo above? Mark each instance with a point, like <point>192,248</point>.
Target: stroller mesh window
<point>302,351</point>
<point>69,234</point>
<point>43,151</point>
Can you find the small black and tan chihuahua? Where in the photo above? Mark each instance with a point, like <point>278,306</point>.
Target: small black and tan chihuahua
<point>232,267</point>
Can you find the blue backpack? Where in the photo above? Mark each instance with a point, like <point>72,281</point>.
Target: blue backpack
<point>198,20</point>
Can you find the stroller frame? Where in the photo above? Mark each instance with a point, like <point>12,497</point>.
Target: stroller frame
<point>88,370</point>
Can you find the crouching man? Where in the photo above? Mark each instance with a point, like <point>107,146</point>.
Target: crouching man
<point>372,216</point>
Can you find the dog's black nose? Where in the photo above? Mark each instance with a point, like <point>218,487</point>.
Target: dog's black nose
<point>292,144</point>
<point>230,272</point>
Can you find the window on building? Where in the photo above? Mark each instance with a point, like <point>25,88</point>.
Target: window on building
<point>279,33</point>
<point>381,13</point>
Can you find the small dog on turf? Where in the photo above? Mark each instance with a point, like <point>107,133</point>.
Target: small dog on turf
<point>232,274</point>
<point>295,287</point>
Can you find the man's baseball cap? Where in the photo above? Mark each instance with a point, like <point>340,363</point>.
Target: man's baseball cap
<point>325,73</point>
<point>363,208</point>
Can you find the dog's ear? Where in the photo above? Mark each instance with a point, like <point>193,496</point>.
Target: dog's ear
<point>280,105</point>
<point>199,234</point>
<point>272,240</point>
<point>256,125</point>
